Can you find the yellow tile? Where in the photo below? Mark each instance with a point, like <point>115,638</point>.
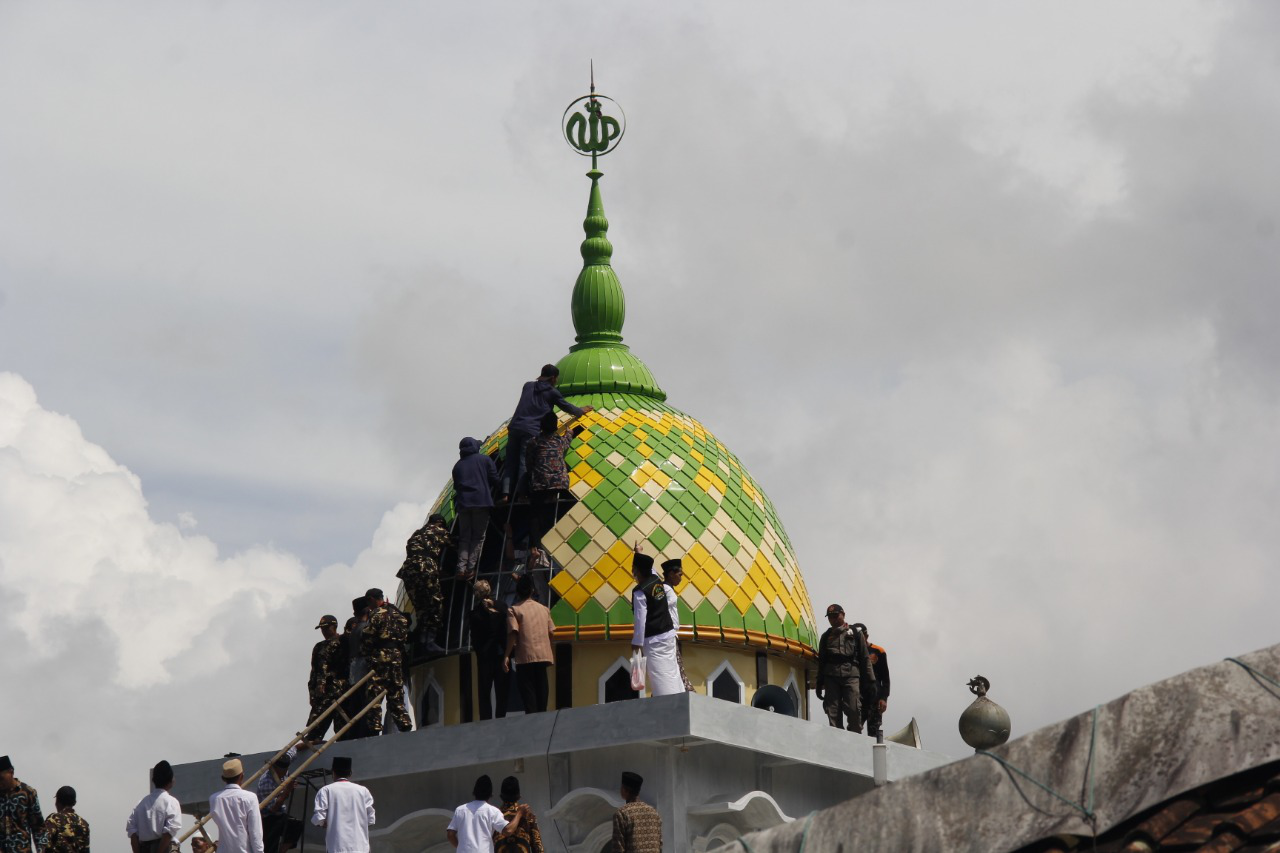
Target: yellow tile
<point>586,450</point>
<point>639,433</point>
<point>641,477</point>
<point>697,555</point>
<point>661,479</point>
<point>620,552</point>
<point>644,450</point>
<point>741,601</point>
<point>686,438</point>
<point>621,580</point>
<point>591,581</point>
<point>562,582</point>
<point>697,454</point>
<point>576,596</point>
<point>750,587</point>
<point>701,581</point>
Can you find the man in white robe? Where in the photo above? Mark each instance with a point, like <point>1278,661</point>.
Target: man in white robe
<point>655,630</point>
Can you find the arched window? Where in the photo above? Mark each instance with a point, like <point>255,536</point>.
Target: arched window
<point>725,683</point>
<point>432,706</point>
<point>615,684</point>
<point>793,691</point>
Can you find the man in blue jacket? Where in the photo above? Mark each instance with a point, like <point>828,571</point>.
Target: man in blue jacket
<point>474,479</point>
<point>537,398</point>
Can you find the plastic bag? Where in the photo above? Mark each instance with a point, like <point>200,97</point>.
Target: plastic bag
<point>637,672</point>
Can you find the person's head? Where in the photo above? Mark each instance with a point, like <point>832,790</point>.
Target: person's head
<point>835,616</point>
<point>341,767</point>
<point>281,764</point>
<point>436,520</point>
<point>359,606</point>
<point>641,566</point>
<point>510,789</point>
<point>672,573</point>
<point>631,783</point>
<point>550,373</point>
<point>65,798</point>
<point>328,626</point>
<point>483,789</point>
<point>162,775</point>
<point>232,771</point>
<point>483,590</point>
<point>549,423</point>
<point>6,772</point>
<point>524,587</point>
<point>346,629</point>
<point>375,596</point>
<point>468,447</point>
<point>858,626</point>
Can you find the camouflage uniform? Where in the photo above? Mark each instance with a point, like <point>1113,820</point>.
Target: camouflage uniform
<point>20,817</point>
<point>382,642</point>
<point>328,681</point>
<point>421,575</point>
<point>65,832</point>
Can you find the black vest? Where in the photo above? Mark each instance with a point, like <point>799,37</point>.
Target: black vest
<point>658,615</point>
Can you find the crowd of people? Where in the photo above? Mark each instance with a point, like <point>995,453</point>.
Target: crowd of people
<point>506,636</point>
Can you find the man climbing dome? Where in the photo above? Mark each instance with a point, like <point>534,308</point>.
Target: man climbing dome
<point>421,575</point>
<point>537,398</point>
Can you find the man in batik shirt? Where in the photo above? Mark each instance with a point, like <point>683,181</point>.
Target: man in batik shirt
<point>637,826</point>
<point>20,817</point>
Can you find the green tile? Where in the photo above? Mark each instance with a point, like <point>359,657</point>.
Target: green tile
<point>706,615</point>
<point>641,499</point>
<point>752,620</point>
<point>618,524</point>
<point>630,512</point>
<point>773,624</point>
<point>572,459</point>
<point>621,618</point>
<point>591,613</point>
<point>562,614</point>
<point>679,512</point>
<point>789,628</point>
<point>780,554</point>
<point>730,544</point>
<point>578,540</point>
<point>659,538</point>
<point>682,610</point>
<point>731,618</point>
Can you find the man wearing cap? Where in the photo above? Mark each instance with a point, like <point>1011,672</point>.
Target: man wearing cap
<point>654,630</point>
<point>64,830</point>
<point>279,831</point>
<point>382,642</point>
<point>537,398</point>
<point>345,811</point>
<point>843,663</point>
<point>672,577</point>
<point>328,679</point>
<point>637,826</point>
<point>20,817</point>
<point>235,811</point>
<point>157,818</point>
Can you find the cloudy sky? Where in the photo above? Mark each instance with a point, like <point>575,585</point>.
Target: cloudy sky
<point>983,297</point>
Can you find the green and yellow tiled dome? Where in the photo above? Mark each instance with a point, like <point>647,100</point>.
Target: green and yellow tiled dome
<point>645,471</point>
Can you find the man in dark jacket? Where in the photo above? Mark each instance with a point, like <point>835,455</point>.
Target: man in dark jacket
<point>475,476</point>
<point>875,701</point>
<point>843,662</point>
<point>536,399</point>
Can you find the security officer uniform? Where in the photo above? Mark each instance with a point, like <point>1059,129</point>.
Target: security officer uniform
<point>843,662</point>
<point>382,642</point>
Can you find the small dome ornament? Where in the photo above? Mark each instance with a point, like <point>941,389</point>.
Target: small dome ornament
<point>984,724</point>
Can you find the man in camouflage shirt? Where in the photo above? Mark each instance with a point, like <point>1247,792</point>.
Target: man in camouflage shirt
<point>328,678</point>
<point>65,831</point>
<point>637,826</point>
<point>421,575</point>
<point>20,817</point>
<point>382,642</point>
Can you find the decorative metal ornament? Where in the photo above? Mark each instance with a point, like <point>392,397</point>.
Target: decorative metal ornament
<point>984,724</point>
<point>589,131</point>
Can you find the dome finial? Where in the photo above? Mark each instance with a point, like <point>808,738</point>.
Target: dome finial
<point>599,362</point>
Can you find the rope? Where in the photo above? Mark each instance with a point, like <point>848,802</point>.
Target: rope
<point>804,834</point>
<point>1255,675</point>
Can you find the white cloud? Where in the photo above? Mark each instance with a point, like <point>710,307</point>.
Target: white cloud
<point>129,640</point>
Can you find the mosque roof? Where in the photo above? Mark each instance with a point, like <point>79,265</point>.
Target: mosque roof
<point>644,470</point>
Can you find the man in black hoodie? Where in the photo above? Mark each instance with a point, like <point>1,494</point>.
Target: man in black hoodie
<point>474,479</point>
<point>536,399</point>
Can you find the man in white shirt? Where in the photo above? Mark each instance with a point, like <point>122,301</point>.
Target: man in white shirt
<point>474,825</point>
<point>235,811</point>
<point>157,818</point>
<point>655,629</point>
<point>672,577</point>
<point>345,810</point>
